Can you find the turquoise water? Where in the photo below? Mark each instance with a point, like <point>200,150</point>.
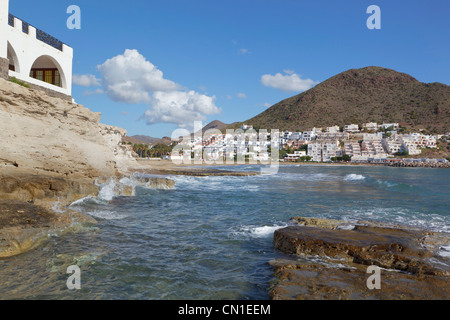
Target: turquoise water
<point>212,237</point>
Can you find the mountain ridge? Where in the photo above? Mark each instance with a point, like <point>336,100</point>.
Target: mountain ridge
<point>370,94</point>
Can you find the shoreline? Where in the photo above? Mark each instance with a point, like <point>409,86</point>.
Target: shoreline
<point>169,165</point>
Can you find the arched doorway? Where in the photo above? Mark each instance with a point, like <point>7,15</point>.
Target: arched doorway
<point>47,69</point>
<point>13,60</point>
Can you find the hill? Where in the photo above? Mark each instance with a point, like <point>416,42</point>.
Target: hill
<point>216,124</point>
<point>142,139</point>
<point>371,94</point>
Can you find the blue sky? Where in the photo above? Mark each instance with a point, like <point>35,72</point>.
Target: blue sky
<point>219,51</point>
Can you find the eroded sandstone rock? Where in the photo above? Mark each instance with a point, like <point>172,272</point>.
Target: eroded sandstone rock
<point>332,260</point>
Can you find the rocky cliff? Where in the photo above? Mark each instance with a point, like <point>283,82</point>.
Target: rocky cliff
<point>52,135</point>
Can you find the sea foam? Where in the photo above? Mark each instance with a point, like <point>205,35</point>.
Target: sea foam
<point>354,177</point>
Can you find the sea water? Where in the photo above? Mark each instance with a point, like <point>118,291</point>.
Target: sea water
<point>212,237</point>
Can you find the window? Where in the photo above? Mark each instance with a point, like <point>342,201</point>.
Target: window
<point>57,79</point>
<point>39,75</point>
<point>51,76</point>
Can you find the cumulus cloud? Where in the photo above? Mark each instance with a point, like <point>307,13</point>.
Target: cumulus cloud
<point>90,93</point>
<point>130,78</point>
<point>244,51</point>
<point>85,80</point>
<point>287,82</point>
<point>181,108</point>
<point>241,95</point>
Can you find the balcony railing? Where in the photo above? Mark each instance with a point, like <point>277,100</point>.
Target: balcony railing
<point>40,35</point>
<point>48,39</point>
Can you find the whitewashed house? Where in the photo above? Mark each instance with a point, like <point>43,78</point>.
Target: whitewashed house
<point>315,151</point>
<point>392,126</point>
<point>295,156</point>
<point>392,145</point>
<point>370,126</point>
<point>33,56</point>
<point>352,148</point>
<point>333,129</point>
<point>351,128</point>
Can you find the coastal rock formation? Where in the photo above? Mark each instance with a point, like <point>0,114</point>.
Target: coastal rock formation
<point>329,259</point>
<point>427,164</point>
<point>51,153</point>
<point>156,183</point>
<point>24,226</point>
<point>43,189</point>
<point>43,133</point>
<point>203,172</point>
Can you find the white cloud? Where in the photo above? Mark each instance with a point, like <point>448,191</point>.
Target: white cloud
<point>229,97</point>
<point>85,80</point>
<point>266,104</point>
<point>241,95</point>
<point>130,78</point>
<point>288,71</point>
<point>287,82</point>
<point>90,93</point>
<point>179,107</point>
<point>244,51</point>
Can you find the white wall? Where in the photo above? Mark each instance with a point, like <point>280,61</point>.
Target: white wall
<point>4,11</point>
<point>28,49</point>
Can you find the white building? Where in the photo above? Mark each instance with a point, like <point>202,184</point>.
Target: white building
<point>352,148</point>
<point>392,126</point>
<point>309,135</point>
<point>246,127</point>
<point>391,145</point>
<point>33,56</point>
<point>315,151</point>
<point>329,150</point>
<point>409,145</point>
<point>370,126</point>
<point>323,151</point>
<point>351,128</point>
<point>295,156</point>
<point>333,136</point>
<point>333,129</point>
<point>373,136</point>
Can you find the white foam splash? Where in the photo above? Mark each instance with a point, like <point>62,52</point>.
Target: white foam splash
<point>108,190</point>
<point>258,231</point>
<point>106,215</point>
<point>445,251</point>
<point>354,177</point>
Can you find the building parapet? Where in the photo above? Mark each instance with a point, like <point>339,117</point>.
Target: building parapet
<point>40,35</point>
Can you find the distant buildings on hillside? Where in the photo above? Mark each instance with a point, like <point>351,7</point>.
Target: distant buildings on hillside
<point>370,142</point>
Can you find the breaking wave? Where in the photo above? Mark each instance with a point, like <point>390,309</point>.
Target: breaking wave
<point>354,177</point>
<point>256,231</point>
